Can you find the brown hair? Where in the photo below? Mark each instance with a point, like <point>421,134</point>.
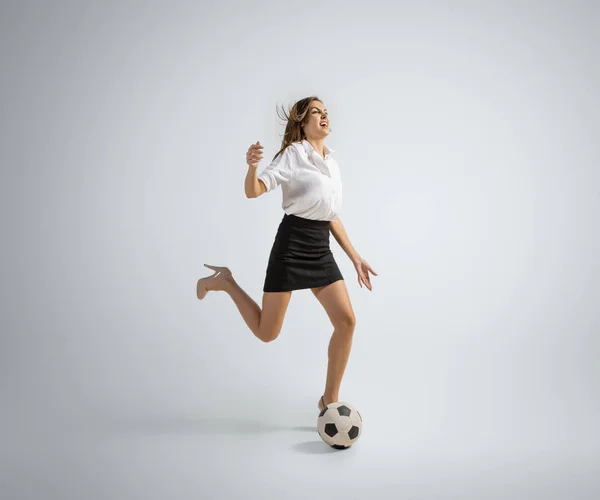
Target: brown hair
<point>295,117</point>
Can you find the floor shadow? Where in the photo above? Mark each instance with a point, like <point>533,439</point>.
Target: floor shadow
<point>314,448</point>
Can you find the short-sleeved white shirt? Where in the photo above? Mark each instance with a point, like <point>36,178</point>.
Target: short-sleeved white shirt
<point>311,185</point>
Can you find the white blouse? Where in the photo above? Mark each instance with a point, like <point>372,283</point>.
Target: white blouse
<point>311,186</point>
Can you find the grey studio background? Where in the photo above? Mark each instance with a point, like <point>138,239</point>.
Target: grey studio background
<point>467,135</point>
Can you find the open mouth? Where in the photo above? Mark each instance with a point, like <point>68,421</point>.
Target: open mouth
<point>323,124</point>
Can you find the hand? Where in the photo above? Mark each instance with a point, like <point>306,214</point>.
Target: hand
<point>363,268</point>
<point>254,155</point>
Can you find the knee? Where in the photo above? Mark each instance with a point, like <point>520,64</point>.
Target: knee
<point>269,335</point>
<point>346,323</point>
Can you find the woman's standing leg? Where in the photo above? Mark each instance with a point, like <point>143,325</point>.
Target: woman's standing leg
<point>265,323</point>
<point>336,301</point>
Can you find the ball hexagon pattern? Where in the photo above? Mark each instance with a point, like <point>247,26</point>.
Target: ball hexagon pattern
<point>339,425</point>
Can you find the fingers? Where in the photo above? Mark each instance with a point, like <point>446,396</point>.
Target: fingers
<point>363,275</point>
<point>253,158</point>
<point>258,147</point>
<point>254,153</point>
<point>362,278</point>
<point>369,278</point>
<point>368,285</point>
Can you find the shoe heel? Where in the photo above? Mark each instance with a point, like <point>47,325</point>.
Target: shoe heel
<point>201,290</point>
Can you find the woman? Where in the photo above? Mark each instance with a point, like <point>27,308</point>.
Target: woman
<point>301,257</point>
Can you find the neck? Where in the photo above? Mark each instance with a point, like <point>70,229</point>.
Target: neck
<point>318,144</point>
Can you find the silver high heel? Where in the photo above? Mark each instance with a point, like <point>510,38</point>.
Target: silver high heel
<point>220,273</point>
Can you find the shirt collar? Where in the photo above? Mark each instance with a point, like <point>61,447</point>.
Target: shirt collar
<point>309,148</point>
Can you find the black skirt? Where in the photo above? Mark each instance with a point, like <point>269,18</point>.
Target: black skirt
<point>301,257</point>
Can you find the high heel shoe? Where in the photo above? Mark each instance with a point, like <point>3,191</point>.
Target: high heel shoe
<point>220,273</point>
<point>321,404</point>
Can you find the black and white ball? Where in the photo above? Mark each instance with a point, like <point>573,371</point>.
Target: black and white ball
<point>339,425</point>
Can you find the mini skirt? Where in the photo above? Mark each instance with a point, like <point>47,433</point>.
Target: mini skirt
<point>301,256</point>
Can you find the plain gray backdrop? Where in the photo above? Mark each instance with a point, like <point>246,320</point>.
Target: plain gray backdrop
<point>467,135</point>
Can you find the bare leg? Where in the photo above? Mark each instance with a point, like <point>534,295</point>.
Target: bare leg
<point>335,300</point>
<point>265,324</point>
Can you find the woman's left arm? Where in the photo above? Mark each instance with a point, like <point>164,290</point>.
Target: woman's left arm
<point>362,266</point>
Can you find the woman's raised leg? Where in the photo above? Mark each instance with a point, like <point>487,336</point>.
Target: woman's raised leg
<point>265,323</point>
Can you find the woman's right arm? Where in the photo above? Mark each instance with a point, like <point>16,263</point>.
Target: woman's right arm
<point>252,186</point>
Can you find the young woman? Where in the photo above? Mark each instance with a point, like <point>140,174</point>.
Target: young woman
<point>301,257</point>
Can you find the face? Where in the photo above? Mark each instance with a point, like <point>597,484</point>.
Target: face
<point>316,123</point>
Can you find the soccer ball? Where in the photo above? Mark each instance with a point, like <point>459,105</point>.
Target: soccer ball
<point>339,425</point>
